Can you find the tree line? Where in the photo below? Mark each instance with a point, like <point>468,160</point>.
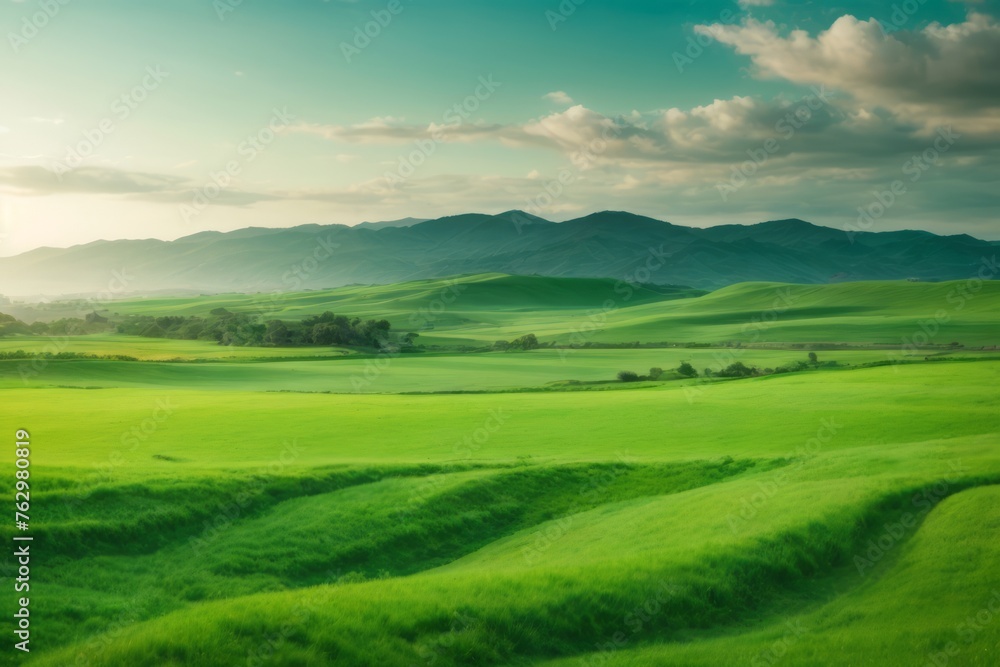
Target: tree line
<point>736,369</point>
<point>67,326</point>
<point>243,329</point>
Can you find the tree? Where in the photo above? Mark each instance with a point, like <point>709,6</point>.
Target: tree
<point>526,342</point>
<point>813,359</point>
<point>11,326</point>
<point>687,370</point>
<point>737,370</point>
<point>375,333</point>
<point>276,334</point>
<point>325,333</point>
<point>655,373</point>
<point>326,318</point>
<point>628,376</point>
<point>501,346</point>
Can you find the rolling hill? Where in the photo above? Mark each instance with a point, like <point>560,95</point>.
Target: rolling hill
<point>368,533</point>
<point>481,309</point>
<point>477,310</point>
<point>609,244</point>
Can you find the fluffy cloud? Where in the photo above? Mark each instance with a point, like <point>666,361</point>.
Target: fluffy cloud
<point>558,97</point>
<point>866,108</point>
<point>815,135</point>
<point>940,73</point>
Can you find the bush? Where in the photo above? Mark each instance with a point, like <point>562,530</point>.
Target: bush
<point>687,370</point>
<point>655,373</point>
<point>628,376</point>
<point>526,342</point>
<point>737,370</point>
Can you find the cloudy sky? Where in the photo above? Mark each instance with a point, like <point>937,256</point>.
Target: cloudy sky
<point>124,119</point>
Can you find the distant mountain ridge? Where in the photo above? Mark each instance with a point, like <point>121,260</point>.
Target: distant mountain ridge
<point>610,244</point>
<point>402,222</point>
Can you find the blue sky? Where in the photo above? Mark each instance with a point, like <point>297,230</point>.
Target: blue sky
<point>161,119</point>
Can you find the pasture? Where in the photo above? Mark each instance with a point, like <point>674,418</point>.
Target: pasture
<point>228,511</point>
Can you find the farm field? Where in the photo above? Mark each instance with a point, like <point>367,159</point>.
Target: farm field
<point>480,309</point>
<point>537,369</point>
<point>563,334</point>
<point>155,349</point>
<point>224,510</point>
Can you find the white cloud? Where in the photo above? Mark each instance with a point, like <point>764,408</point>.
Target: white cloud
<point>558,97</point>
<point>694,144</point>
<point>931,76</point>
<point>630,182</point>
<point>389,130</point>
<point>837,149</point>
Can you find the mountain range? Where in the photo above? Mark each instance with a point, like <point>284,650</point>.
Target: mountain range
<point>611,244</point>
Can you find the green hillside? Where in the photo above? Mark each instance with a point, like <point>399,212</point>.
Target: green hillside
<point>482,292</point>
<point>538,369</point>
<point>206,504</point>
<point>591,504</point>
<point>481,309</point>
<point>868,312</point>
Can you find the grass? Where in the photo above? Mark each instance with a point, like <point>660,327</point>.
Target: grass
<point>155,349</point>
<point>480,309</point>
<point>888,619</point>
<point>188,513</point>
<point>768,416</point>
<point>413,373</point>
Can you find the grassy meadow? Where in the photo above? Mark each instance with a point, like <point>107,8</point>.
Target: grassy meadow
<point>302,506</point>
<point>473,310</point>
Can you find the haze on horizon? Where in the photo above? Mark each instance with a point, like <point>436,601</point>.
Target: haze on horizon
<point>163,120</point>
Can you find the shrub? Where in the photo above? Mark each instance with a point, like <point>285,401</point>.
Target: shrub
<point>737,370</point>
<point>526,342</point>
<point>687,370</point>
<point>628,376</point>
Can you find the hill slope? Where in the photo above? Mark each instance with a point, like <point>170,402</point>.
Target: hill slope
<point>478,310</point>
<point>608,244</point>
<point>579,311</point>
<point>580,510</point>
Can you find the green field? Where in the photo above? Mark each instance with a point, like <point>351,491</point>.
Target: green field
<point>486,308</point>
<point>477,310</point>
<point>536,369</point>
<point>240,507</point>
<point>156,349</point>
